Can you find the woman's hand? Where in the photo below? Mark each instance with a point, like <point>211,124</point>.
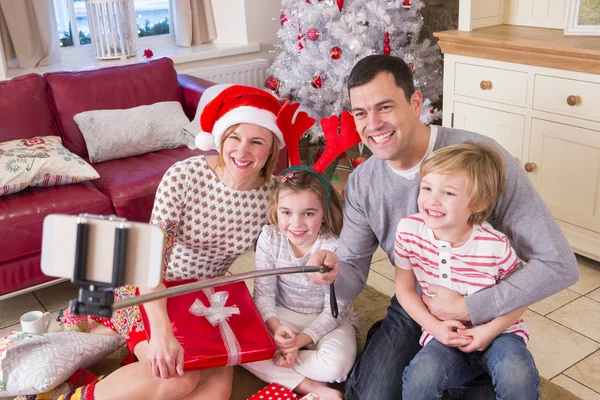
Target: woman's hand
<point>285,338</point>
<point>446,333</point>
<point>165,356</point>
<point>329,259</point>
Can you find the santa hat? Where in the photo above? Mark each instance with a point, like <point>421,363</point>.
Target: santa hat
<point>233,105</point>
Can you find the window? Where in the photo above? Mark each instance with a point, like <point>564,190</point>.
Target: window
<point>152,18</point>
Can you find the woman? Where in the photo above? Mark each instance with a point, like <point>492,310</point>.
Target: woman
<point>212,210</point>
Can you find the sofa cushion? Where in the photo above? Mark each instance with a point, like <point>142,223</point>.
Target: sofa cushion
<point>132,193</point>
<point>110,88</point>
<point>25,109</point>
<point>22,214</point>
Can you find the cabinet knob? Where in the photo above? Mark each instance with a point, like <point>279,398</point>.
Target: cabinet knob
<point>573,100</point>
<point>530,166</point>
<point>485,85</point>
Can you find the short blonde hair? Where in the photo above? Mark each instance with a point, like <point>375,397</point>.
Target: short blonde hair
<point>484,167</point>
<point>303,181</point>
<point>267,171</point>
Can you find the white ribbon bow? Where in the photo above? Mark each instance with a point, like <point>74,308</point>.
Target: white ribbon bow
<point>217,314</point>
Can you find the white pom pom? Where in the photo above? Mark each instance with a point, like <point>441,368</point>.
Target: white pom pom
<point>205,141</point>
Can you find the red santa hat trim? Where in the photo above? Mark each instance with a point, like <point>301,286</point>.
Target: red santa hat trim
<point>238,105</point>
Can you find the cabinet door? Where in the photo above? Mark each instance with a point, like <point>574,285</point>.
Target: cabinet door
<point>566,161</point>
<point>505,128</point>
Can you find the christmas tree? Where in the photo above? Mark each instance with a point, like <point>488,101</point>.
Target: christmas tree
<point>321,40</point>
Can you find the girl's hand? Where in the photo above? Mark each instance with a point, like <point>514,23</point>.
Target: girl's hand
<point>285,360</point>
<point>446,332</point>
<point>165,356</point>
<point>285,338</point>
<point>482,337</point>
<point>328,258</point>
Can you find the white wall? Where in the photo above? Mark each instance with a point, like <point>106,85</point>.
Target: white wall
<point>3,65</point>
<point>262,19</point>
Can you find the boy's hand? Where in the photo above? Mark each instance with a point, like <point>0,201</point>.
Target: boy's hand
<point>482,337</point>
<point>448,334</point>
<point>328,258</point>
<point>285,338</point>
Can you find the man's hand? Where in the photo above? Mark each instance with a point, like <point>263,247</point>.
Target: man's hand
<point>448,334</point>
<point>327,258</point>
<point>482,337</point>
<point>446,304</point>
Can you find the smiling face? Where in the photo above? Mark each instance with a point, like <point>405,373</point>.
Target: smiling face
<point>386,122</point>
<point>244,152</point>
<point>299,218</point>
<point>444,204</point>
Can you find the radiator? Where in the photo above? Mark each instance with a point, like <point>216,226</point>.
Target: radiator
<point>251,72</point>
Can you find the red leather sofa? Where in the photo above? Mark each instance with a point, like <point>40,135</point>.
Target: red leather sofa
<point>35,105</point>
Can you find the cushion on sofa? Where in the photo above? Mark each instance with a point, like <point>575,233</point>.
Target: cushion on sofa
<point>110,88</point>
<point>132,194</point>
<point>112,134</point>
<point>40,161</point>
<point>25,109</point>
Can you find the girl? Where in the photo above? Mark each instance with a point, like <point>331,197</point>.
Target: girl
<point>313,346</point>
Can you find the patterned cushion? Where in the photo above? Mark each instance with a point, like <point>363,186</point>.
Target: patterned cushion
<point>40,161</point>
<point>32,364</point>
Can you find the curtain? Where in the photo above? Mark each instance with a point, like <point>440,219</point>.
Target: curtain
<point>194,22</point>
<point>29,32</point>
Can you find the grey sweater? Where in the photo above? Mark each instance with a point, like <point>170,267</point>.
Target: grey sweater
<point>376,198</point>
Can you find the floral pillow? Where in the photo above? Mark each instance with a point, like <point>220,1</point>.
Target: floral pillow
<point>40,161</point>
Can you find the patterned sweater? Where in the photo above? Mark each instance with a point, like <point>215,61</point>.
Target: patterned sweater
<point>295,292</point>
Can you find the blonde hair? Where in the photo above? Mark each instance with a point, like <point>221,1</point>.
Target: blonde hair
<point>267,170</point>
<point>484,167</point>
<point>303,181</point>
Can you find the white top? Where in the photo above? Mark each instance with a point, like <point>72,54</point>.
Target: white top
<point>481,262</point>
<point>295,292</point>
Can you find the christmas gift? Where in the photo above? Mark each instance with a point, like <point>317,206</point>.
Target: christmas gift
<point>274,391</point>
<point>218,326</point>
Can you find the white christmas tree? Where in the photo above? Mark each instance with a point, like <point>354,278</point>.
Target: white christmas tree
<point>321,40</point>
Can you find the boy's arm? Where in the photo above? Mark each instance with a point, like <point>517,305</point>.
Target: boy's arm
<point>484,334</point>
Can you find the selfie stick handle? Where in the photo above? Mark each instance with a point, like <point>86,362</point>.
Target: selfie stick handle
<point>221,280</point>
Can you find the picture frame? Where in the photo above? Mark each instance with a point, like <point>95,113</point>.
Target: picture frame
<point>583,18</point>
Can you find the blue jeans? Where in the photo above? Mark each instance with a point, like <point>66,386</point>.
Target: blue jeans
<point>377,373</point>
<point>506,360</point>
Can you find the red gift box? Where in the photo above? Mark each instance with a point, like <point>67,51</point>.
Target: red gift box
<point>238,336</point>
<point>274,392</point>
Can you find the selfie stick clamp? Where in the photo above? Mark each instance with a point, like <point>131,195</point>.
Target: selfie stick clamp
<point>97,298</point>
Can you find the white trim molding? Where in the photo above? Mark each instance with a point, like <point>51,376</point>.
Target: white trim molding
<point>572,21</point>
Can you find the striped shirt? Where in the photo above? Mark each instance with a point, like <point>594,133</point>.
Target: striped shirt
<point>481,262</point>
<point>295,292</point>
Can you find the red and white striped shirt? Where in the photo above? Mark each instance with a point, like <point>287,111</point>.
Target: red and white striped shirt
<point>481,262</point>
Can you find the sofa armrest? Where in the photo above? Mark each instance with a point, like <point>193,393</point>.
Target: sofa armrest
<point>191,91</point>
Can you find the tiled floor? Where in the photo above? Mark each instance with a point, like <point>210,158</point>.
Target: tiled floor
<point>565,328</point>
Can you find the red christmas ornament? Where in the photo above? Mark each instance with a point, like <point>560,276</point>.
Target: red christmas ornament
<point>340,4</point>
<point>272,83</point>
<point>406,3</point>
<point>148,53</point>
<point>359,159</point>
<point>335,53</point>
<point>312,34</point>
<point>300,42</point>
<point>431,111</point>
<point>386,47</point>
<point>283,19</point>
<point>317,82</point>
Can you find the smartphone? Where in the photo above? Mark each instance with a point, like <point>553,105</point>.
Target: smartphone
<point>144,249</point>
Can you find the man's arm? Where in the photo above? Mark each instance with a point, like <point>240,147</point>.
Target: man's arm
<point>551,266</point>
<point>356,246</point>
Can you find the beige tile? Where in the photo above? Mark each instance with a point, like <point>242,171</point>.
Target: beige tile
<point>379,255</point>
<point>244,263</point>
<point>595,295</point>
<point>53,327</point>
<point>57,296</point>
<point>576,388</point>
<point>581,315</point>
<point>587,372</point>
<point>381,283</point>
<point>11,309</point>
<point>555,301</point>
<point>384,268</point>
<point>10,328</point>
<point>555,347</point>
<point>589,279</point>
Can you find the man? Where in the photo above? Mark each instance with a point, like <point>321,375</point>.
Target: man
<point>387,109</point>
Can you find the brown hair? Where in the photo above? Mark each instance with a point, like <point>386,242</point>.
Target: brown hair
<point>369,67</point>
<point>267,170</point>
<point>484,167</point>
<point>302,181</point>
